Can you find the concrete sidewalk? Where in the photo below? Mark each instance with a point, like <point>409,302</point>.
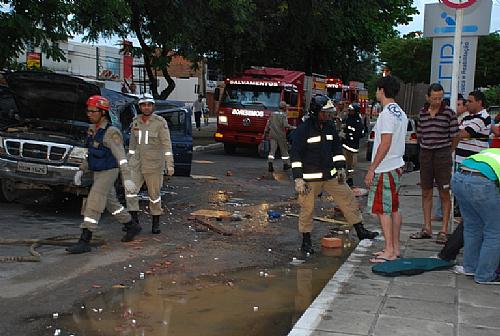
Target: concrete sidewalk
<point>358,302</point>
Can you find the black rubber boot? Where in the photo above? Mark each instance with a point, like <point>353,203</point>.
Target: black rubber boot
<point>306,243</point>
<point>133,229</point>
<point>271,169</point>
<point>135,218</point>
<point>155,229</point>
<point>363,233</point>
<point>350,182</point>
<point>83,245</point>
<point>286,166</point>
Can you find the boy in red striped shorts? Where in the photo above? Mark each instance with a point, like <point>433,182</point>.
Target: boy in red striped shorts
<point>385,169</point>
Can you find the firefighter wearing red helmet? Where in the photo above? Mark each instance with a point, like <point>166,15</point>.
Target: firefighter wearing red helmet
<point>105,159</point>
<point>150,156</point>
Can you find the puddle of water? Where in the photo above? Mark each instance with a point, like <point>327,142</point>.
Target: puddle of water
<point>249,302</point>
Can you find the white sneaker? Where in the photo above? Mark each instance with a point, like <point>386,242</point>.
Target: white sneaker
<point>460,270</point>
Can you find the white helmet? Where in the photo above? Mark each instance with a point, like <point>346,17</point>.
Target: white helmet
<point>329,107</point>
<point>146,98</point>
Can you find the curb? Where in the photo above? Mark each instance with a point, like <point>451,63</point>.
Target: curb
<point>213,146</point>
<point>312,317</point>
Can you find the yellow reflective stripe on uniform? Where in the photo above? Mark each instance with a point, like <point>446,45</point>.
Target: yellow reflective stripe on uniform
<point>156,200</point>
<point>90,220</point>
<point>350,149</point>
<point>285,157</point>
<point>312,175</point>
<point>140,136</point>
<point>329,137</point>
<point>338,158</point>
<point>333,171</point>
<point>297,164</point>
<point>114,213</point>
<point>131,151</point>
<point>122,162</point>
<point>351,128</point>
<point>350,170</point>
<point>271,157</point>
<point>131,195</point>
<point>146,141</point>
<point>168,153</point>
<point>314,139</point>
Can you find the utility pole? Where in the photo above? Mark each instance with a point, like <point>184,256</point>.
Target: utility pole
<point>97,63</point>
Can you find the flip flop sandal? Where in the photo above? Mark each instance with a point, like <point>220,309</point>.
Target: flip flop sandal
<point>421,235</point>
<point>379,260</point>
<point>442,238</point>
<point>376,254</point>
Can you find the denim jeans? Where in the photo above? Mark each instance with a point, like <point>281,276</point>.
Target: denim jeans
<point>479,201</point>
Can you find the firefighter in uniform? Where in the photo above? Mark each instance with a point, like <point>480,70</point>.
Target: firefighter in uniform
<point>150,156</point>
<point>106,158</point>
<point>318,165</point>
<point>276,128</point>
<point>353,131</point>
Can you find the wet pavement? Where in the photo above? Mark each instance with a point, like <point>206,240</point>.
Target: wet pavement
<point>246,302</point>
<point>185,251</point>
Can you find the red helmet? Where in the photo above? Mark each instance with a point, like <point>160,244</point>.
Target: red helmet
<point>98,101</point>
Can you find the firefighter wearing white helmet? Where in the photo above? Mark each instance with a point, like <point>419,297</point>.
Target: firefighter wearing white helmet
<point>150,156</point>
<point>275,130</point>
<point>318,165</point>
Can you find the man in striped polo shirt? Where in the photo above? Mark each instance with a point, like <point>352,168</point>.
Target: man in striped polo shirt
<point>437,133</point>
<point>475,128</point>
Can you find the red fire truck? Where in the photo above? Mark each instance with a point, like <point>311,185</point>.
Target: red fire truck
<point>354,92</point>
<point>248,100</point>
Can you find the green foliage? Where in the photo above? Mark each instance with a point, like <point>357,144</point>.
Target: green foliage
<point>409,57</point>
<point>33,23</point>
<point>487,60</point>
<point>493,96</point>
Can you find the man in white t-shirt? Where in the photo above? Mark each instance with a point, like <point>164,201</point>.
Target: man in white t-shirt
<point>385,169</point>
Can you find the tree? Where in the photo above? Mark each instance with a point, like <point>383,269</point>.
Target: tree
<point>487,60</point>
<point>397,53</point>
<point>30,23</point>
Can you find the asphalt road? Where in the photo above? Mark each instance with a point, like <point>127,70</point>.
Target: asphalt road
<point>30,292</point>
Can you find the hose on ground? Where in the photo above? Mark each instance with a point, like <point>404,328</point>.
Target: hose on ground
<point>65,240</point>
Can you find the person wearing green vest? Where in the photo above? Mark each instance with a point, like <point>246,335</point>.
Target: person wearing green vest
<point>476,187</point>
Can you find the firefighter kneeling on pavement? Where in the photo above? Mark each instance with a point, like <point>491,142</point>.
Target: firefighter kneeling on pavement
<point>352,132</point>
<point>318,164</point>
<point>276,128</point>
<point>106,158</point>
<point>150,156</point>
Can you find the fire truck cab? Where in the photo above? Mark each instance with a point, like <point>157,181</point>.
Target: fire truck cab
<point>247,101</point>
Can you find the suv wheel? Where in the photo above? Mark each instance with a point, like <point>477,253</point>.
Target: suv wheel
<point>8,192</point>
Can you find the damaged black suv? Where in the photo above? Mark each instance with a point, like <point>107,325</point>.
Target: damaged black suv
<point>42,135</point>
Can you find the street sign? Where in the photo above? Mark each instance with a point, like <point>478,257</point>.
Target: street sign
<point>439,19</point>
<point>442,61</point>
<point>459,3</point>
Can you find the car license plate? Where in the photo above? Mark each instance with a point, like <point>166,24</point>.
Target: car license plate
<point>32,168</point>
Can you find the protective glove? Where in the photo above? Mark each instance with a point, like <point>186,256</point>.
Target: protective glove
<point>129,186</point>
<point>341,175</point>
<point>301,186</point>
<point>77,179</point>
<point>169,171</point>
<point>342,134</point>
